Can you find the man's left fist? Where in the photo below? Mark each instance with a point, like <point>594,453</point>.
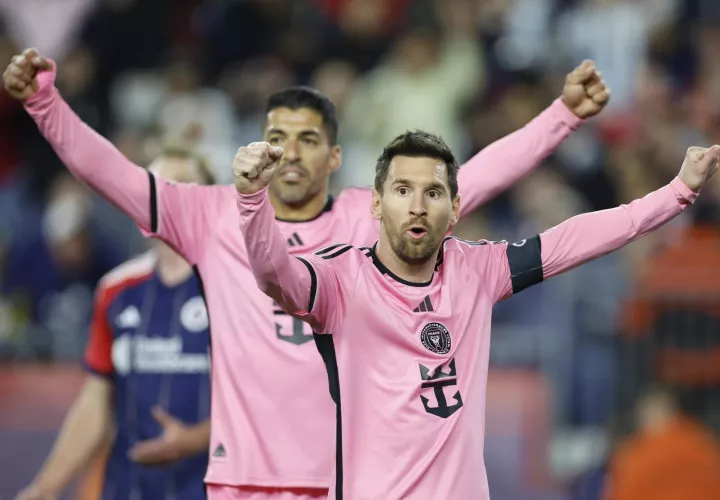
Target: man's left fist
<point>585,92</point>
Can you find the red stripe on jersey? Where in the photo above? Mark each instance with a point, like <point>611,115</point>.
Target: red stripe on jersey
<point>98,353</point>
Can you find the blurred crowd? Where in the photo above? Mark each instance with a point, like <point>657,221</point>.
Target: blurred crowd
<point>142,73</point>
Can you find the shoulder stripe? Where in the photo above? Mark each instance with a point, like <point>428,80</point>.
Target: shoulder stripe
<point>471,243</point>
<point>325,250</point>
<point>153,204</point>
<point>337,253</point>
<point>313,283</point>
<point>142,265</point>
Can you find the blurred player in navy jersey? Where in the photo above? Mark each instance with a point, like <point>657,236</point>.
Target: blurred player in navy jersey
<point>147,391</point>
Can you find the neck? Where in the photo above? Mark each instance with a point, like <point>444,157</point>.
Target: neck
<point>171,267</point>
<point>414,273</point>
<point>307,210</point>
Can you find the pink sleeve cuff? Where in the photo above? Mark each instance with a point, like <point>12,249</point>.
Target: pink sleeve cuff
<point>254,199</point>
<point>683,191</point>
<point>566,116</point>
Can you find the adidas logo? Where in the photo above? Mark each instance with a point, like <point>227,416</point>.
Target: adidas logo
<point>294,240</point>
<point>219,451</point>
<point>425,306</point>
<point>128,318</point>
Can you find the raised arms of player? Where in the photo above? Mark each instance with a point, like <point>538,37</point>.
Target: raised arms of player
<point>290,281</point>
<point>504,162</point>
<point>172,211</point>
<point>589,236</point>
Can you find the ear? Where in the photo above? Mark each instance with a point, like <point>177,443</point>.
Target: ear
<point>455,216</point>
<point>375,205</point>
<point>335,158</point>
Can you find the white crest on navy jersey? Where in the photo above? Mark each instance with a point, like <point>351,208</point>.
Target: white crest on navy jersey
<point>194,316</point>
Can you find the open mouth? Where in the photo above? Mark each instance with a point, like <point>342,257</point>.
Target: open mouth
<point>417,231</point>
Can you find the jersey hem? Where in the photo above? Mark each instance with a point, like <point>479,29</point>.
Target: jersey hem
<point>320,484</point>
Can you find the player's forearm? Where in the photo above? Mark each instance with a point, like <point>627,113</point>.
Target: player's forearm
<point>90,157</point>
<point>282,277</point>
<point>589,236</point>
<point>506,161</point>
<point>197,438</point>
<point>86,428</point>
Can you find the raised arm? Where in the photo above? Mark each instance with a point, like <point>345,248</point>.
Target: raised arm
<point>89,157</point>
<point>589,236</point>
<point>506,161</point>
<point>292,282</point>
<point>180,214</point>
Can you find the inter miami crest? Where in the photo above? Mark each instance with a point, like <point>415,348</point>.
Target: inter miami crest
<point>436,338</point>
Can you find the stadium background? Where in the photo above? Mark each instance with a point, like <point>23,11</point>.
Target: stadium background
<point>569,358</point>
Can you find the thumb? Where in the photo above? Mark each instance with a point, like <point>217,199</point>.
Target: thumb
<point>275,153</point>
<point>161,416</point>
<point>42,63</point>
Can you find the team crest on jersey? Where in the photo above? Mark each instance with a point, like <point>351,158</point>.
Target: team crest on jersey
<point>436,338</point>
<point>194,316</point>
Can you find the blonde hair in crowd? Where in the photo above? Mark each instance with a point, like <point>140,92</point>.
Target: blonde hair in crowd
<point>175,149</point>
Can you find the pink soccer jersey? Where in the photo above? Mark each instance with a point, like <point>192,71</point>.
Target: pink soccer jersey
<point>272,418</point>
<point>408,362</point>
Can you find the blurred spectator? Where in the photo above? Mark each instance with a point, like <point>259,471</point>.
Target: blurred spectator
<point>202,116</point>
<point>670,457</point>
<point>429,77</point>
<point>51,277</point>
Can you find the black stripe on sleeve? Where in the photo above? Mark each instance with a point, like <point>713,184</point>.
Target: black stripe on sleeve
<point>313,283</point>
<point>329,249</point>
<point>153,204</point>
<point>525,262</point>
<point>337,253</point>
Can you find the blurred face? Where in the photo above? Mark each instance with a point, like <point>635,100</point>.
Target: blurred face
<point>308,156</point>
<point>176,169</point>
<point>415,208</point>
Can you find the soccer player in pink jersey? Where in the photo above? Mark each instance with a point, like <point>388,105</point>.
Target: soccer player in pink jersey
<point>269,424</point>
<point>404,324</point>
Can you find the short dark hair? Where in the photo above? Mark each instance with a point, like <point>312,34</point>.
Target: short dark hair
<point>416,144</point>
<point>307,97</point>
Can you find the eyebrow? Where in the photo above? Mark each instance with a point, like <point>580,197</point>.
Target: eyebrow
<point>435,185</point>
<point>303,133</point>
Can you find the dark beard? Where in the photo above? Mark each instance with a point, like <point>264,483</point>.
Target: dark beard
<point>411,252</point>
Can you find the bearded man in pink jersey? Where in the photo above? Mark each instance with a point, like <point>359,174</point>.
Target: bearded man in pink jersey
<point>271,428</point>
<point>409,382</point>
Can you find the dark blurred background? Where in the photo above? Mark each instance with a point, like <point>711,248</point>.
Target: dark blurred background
<point>570,360</point>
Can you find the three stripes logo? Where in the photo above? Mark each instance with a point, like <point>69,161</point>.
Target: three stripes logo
<point>425,306</point>
<point>294,240</point>
<point>333,251</point>
<point>220,451</point>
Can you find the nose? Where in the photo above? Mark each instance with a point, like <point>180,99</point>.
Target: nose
<point>291,151</point>
<point>418,208</point>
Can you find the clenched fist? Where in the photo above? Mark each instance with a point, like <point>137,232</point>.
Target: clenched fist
<point>700,164</point>
<point>255,165</point>
<point>585,92</point>
<point>20,79</point>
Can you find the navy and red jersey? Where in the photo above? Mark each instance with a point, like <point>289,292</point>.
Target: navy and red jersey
<point>152,341</point>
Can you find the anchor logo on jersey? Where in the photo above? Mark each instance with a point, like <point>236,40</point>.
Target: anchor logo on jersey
<point>437,380</point>
<point>298,336</point>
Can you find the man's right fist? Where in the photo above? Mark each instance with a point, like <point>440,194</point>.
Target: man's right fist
<point>700,164</point>
<point>255,165</point>
<point>20,79</point>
